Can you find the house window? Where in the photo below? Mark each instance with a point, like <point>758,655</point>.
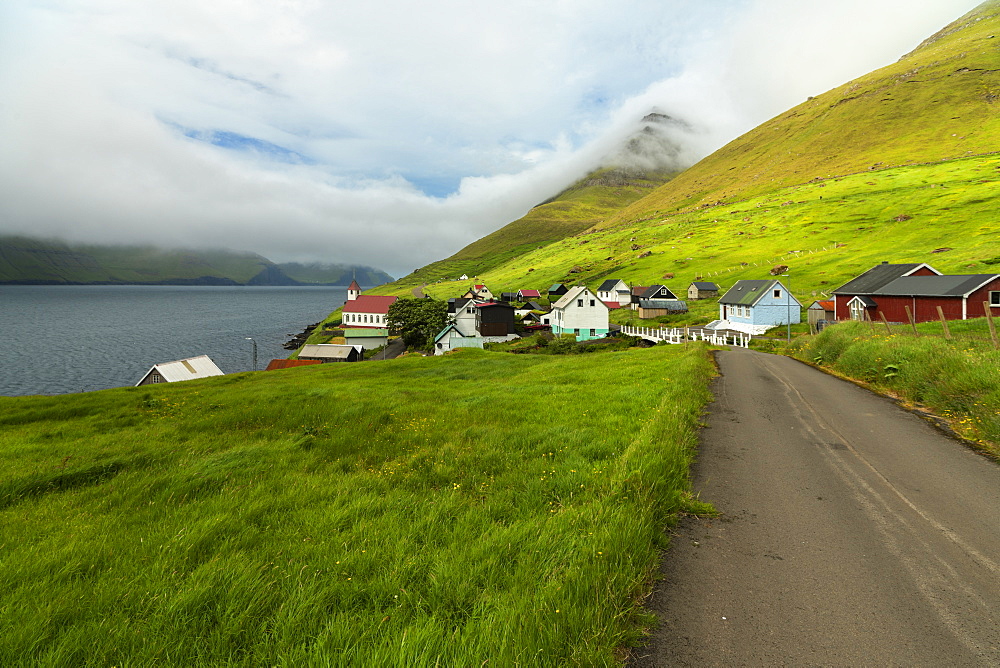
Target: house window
<point>591,302</point>
<point>857,311</point>
<point>777,294</point>
<point>579,302</point>
<point>593,332</point>
<point>995,298</point>
<point>576,331</point>
<point>155,378</point>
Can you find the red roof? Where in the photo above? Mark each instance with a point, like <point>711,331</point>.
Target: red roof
<point>287,364</point>
<point>370,304</point>
<point>612,305</point>
<point>354,286</point>
<point>530,293</point>
<point>827,304</point>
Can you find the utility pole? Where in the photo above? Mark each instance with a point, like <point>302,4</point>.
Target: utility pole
<point>254,352</point>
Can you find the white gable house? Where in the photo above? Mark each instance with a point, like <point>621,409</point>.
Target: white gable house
<point>201,366</point>
<point>580,312</point>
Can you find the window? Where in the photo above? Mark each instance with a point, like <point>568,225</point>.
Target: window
<point>995,298</point>
<point>576,331</point>
<point>857,310</point>
<point>777,294</point>
<point>593,332</point>
<point>579,302</point>
<point>591,302</point>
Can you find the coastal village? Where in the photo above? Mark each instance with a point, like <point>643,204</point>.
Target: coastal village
<point>888,293</point>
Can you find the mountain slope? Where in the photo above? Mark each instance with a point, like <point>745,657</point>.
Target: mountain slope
<point>940,101</point>
<point>574,210</point>
<point>27,260</point>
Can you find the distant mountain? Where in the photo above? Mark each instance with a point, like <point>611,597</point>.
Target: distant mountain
<point>25,260</point>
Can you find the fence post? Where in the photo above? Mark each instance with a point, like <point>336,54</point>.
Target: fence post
<point>869,319</point>
<point>886,323</point>
<point>909,316</point>
<point>989,319</point>
<point>944,324</point>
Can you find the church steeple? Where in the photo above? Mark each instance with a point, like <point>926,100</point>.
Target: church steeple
<point>353,290</point>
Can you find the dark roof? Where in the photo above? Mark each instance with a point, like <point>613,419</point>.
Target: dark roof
<point>455,304</point>
<point>534,306</point>
<point>608,284</point>
<point>653,292</point>
<point>936,286</point>
<point>868,303</point>
<point>878,276</point>
<point>557,286</point>
<point>705,285</point>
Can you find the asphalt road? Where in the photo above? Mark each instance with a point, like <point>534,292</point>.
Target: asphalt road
<point>852,533</point>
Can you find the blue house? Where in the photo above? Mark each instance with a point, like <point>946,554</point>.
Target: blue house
<point>756,306</point>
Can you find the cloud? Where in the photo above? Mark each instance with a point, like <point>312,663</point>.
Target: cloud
<point>387,133</point>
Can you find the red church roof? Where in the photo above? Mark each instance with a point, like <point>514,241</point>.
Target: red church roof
<point>354,286</point>
<point>370,304</point>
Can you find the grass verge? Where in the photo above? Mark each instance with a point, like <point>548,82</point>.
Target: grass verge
<point>957,379</point>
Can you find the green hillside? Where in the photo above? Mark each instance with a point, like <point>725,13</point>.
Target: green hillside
<point>900,165</point>
<point>28,260</point>
<point>939,102</point>
<point>574,210</point>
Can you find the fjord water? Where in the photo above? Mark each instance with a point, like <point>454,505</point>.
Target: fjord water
<point>76,338</point>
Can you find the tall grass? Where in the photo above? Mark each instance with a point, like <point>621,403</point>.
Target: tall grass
<point>957,379</point>
<point>480,508</point>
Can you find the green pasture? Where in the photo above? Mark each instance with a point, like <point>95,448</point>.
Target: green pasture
<point>479,509</point>
<point>825,233</point>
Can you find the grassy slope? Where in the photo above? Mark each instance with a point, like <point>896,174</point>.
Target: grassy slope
<point>364,514</point>
<point>843,225</point>
<point>576,209</point>
<point>929,125</point>
<point>941,101</point>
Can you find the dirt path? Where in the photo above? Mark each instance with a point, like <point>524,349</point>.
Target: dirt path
<point>418,291</point>
<point>852,533</point>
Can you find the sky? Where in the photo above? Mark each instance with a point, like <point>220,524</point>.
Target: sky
<point>386,133</point>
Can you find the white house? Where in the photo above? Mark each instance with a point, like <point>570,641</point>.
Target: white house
<point>756,306</point>
<point>201,366</point>
<point>614,292</point>
<point>580,312</point>
<point>367,311</point>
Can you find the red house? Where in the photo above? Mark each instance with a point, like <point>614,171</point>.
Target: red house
<point>921,289</point>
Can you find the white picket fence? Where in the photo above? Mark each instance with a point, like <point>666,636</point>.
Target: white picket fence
<point>682,334</point>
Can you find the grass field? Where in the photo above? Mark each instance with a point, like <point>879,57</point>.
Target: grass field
<point>481,509</point>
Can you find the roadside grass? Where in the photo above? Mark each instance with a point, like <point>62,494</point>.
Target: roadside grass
<point>958,379</point>
<point>480,508</point>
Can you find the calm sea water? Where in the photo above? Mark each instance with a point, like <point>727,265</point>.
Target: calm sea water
<point>59,339</point>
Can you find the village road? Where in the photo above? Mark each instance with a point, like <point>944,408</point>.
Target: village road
<point>852,533</point>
